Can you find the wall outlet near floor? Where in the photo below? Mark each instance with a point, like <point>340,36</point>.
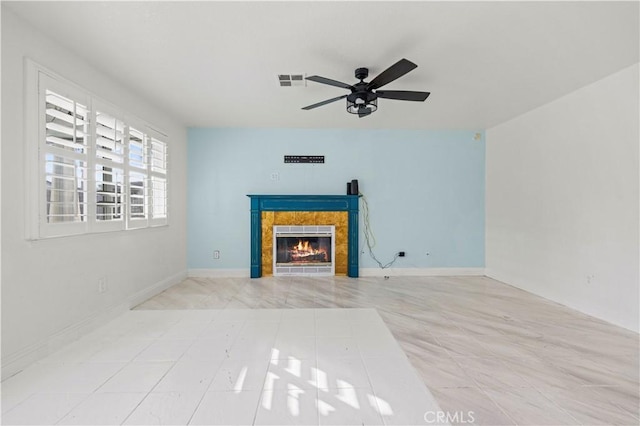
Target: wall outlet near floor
<point>275,176</point>
<point>102,285</point>
<point>216,254</point>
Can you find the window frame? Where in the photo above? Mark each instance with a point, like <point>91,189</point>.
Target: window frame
<point>38,80</point>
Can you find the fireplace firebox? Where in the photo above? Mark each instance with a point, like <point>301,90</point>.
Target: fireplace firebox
<point>304,250</point>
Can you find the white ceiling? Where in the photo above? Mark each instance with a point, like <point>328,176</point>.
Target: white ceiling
<point>214,64</point>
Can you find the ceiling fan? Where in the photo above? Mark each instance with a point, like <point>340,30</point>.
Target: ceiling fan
<point>363,99</point>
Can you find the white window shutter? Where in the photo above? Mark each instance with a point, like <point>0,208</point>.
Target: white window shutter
<point>63,153</point>
<point>159,188</point>
<point>110,197</point>
<point>138,184</point>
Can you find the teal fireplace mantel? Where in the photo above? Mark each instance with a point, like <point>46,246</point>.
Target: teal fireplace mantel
<point>260,203</point>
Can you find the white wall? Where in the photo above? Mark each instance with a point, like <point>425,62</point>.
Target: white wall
<point>49,287</point>
<point>562,200</point>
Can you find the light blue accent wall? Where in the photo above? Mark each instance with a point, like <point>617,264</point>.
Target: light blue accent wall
<point>425,189</point>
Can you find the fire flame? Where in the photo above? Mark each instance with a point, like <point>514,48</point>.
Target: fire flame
<point>303,246</point>
<point>303,250</point>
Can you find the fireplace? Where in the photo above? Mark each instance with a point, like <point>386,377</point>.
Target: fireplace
<point>304,250</point>
<point>340,211</point>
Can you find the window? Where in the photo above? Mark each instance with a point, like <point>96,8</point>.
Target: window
<point>94,168</point>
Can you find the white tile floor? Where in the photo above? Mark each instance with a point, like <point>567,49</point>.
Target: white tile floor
<point>264,366</point>
<point>474,341</point>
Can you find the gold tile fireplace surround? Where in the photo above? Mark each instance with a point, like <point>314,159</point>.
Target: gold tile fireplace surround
<point>339,219</point>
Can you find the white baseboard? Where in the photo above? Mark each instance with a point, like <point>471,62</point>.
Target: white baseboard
<point>364,272</point>
<point>420,272</point>
<point>155,289</point>
<point>514,282</point>
<point>219,273</point>
<point>19,360</point>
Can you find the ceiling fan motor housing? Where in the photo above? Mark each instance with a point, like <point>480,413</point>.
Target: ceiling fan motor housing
<point>361,97</point>
<point>362,73</point>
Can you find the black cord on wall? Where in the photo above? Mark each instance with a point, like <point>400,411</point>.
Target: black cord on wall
<point>369,238</point>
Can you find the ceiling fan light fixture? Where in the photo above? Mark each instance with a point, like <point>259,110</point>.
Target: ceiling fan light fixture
<point>360,104</point>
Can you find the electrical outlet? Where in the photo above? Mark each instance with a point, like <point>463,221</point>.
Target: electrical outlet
<point>275,176</point>
<point>102,285</point>
<point>216,254</point>
<point>401,254</point>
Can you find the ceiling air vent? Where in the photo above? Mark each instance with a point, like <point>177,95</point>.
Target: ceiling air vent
<point>291,80</point>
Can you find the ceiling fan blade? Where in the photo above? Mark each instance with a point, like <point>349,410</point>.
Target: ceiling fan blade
<point>330,82</point>
<point>395,71</point>
<point>403,95</point>
<point>328,101</point>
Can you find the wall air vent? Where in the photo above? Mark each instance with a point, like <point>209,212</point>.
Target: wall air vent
<point>292,80</point>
